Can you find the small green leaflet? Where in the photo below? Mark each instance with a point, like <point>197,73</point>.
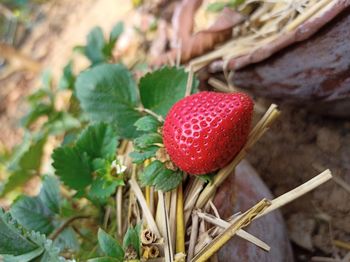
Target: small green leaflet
<point>147,124</point>
<point>73,167</point>
<point>93,151</point>
<point>140,156</point>
<point>161,89</point>
<point>108,93</point>
<point>12,241</point>
<point>110,246</point>
<point>98,141</point>
<point>101,189</point>
<point>208,178</point>
<point>68,78</point>
<point>94,46</point>
<point>32,214</point>
<point>147,140</point>
<point>219,6</point>
<point>156,174</point>
<point>37,213</point>
<point>132,239</point>
<point>50,193</point>
<point>25,163</point>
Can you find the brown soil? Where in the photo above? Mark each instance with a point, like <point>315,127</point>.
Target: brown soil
<point>298,147</point>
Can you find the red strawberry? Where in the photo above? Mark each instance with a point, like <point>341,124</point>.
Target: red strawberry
<point>203,132</point>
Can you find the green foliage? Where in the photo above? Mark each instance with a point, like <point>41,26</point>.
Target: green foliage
<point>141,155</point>
<point>73,167</point>
<point>108,93</point>
<point>147,124</point>
<point>37,213</point>
<point>98,141</point>
<point>161,89</point>
<point>147,140</point>
<point>25,163</point>
<point>32,214</point>
<point>156,174</point>
<point>92,152</point>
<point>19,244</point>
<point>132,239</point>
<point>68,78</point>
<point>97,49</point>
<point>110,246</point>
<point>219,6</point>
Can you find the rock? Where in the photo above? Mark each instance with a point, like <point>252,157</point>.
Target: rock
<point>314,72</point>
<point>241,191</point>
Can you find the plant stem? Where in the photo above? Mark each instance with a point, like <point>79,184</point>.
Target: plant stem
<point>66,224</point>
<point>150,112</point>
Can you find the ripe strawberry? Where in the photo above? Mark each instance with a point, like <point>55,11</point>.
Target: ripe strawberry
<point>204,131</point>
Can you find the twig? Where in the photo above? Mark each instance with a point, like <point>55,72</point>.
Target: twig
<point>298,192</point>
<point>146,212</point>
<point>172,217</point>
<point>228,233</point>
<point>193,237</point>
<point>150,112</point>
<point>119,204</point>
<point>165,229</point>
<point>341,182</point>
<point>240,233</point>
<point>106,216</point>
<point>220,86</point>
<point>59,230</point>
<point>342,244</point>
<point>189,81</point>
<point>180,227</point>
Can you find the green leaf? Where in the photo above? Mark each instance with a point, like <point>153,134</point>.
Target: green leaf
<point>216,7</point>
<point>234,3</point>
<point>61,122</point>
<point>162,178</point>
<point>101,189</point>
<point>108,93</point>
<point>40,109</point>
<point>167,179</point>
<point>98,141</point>
<point>19,244</point>
<point>208,178</point>
<point>26,163</point>
<point>73,167</point>
<point>147,124</point>
<point>25,257</point>
<point>12,242</point>
<point>32,214</point>
<point>150,172</point>
<point>68,78</point>
<point>50,193</point>
<point>147,140</point>
<point>67,239</point>
<point>161,89</point>
<point>110,246</point>
<point>132,238</point>
<point>116,32</point>
<point>140,156</point>
<point>94,47</point>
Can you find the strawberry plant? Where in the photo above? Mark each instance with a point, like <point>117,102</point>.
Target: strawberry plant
<point>119,187</point>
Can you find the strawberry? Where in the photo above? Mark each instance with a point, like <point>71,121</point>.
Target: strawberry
<point>203,132</point>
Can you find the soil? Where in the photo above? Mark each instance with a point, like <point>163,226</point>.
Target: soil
<point>298,147</point>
